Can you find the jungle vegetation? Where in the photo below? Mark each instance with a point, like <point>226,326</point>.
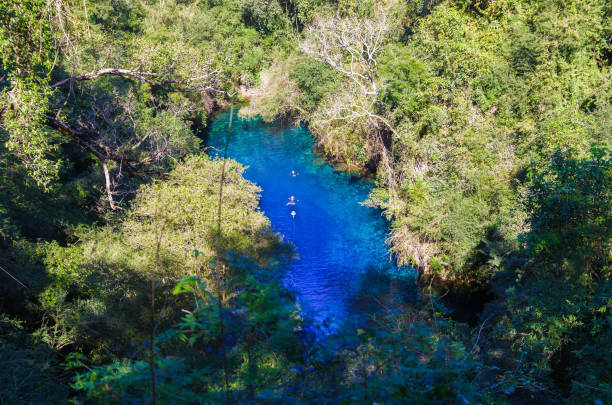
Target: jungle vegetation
<point>136,269</point>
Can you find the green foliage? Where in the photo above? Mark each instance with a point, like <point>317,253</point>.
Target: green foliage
<point>177,215</point>
<point>360,8</point>
<point>423,356</point>
<point>26,61</point>
<point>570,202</point>
<point>560,302</point>
<point>22,53</point>
<point>117,16</point>
<point>265,16</point>
<point>120,118</point>
<point>30,374</point>
<point>258,332</point>
<point>315,81</point>
<point>381,364</point>
<point>27,210</point>
<point>29,139</point>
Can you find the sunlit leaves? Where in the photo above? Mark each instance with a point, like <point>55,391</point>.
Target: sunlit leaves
<point>29,138</point>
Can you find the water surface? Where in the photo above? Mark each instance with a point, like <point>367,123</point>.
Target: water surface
<point>337,238</point>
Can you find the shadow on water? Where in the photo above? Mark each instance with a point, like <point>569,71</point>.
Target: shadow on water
<point>340,242</point>
<point>383,292</point>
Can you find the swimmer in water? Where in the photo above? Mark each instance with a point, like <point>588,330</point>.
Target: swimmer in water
<point>293,173</point>
<point>292,201</point>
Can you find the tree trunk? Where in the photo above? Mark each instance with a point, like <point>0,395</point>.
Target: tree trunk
<point>109,193</point>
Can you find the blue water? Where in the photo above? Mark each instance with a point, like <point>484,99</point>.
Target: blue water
<point>338,240</point>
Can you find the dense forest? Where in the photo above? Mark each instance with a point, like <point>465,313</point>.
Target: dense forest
<point>135,268</point>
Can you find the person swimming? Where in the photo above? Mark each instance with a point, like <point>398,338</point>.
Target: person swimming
<point>293,173</point>
<point>292,201</point>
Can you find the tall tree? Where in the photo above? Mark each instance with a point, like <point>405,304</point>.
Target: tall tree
<point>130,110</point>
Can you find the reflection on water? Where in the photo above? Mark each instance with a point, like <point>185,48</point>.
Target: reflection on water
<point>338,240</point>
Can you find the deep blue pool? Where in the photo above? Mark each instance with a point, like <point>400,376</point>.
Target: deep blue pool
<point>338,240</point>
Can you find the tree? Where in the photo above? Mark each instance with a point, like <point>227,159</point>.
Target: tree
<point>131,116</point>
<point>560,305</point>
<point>26,64</point>
<point>352,45</point>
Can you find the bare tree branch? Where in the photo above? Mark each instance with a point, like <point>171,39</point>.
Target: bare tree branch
<point>144,76</point>
<point>350,45</point>
<point>88,139</point>
<point>201,82</point>
<point>109,193</point>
